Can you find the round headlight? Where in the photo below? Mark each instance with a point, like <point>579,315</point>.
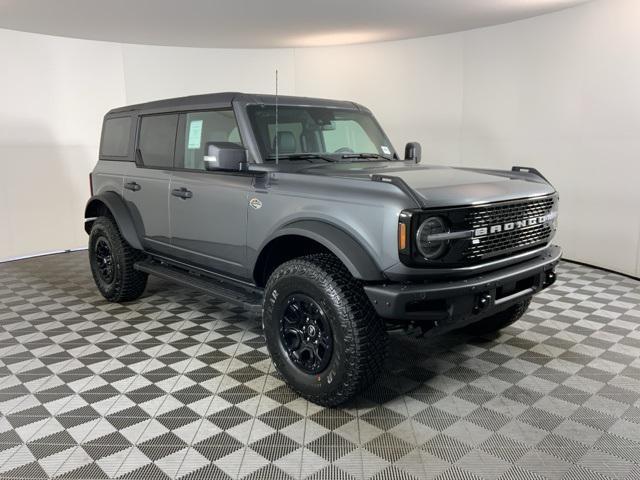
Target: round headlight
<point>428,247</point>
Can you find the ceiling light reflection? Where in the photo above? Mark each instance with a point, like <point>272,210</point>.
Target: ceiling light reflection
<point>342,38</point>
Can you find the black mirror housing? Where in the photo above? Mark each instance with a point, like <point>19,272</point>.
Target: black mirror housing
<point>413,151</point>
<point>224,156</point>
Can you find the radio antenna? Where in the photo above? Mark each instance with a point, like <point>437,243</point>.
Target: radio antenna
<point>277,139</point>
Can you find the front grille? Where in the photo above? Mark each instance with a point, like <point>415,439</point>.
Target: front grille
<point>492,215</point>
<point>495,244</point>
<point>498,243</point>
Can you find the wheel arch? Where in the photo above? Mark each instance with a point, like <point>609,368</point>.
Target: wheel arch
<point>314,236</point>
<point>110,203</point>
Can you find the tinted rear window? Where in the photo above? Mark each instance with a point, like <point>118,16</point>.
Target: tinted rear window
<point>158,140</point>
<point>115,137</point>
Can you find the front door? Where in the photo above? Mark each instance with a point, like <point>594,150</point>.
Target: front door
<point>146,185</point>
<point>207,209</point>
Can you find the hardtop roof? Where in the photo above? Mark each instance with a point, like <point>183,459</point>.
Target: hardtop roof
<point>225,99</point>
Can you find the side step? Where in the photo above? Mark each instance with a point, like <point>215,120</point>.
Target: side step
<point>221,288</point>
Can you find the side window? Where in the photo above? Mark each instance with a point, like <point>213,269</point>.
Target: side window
<point>115,137</point>
<point>201,128</point>
<point>157,140</point>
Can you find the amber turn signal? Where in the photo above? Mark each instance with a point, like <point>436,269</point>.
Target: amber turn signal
<point>402,236</point>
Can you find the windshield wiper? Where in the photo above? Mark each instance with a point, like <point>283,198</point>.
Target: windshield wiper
<point>366,155</point>
<point>301,156</point>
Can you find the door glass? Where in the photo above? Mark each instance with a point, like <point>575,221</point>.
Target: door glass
<point>158,140</point>
<point>201,128</point>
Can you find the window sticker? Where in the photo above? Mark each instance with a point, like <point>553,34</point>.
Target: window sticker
<point>195,134</point>
<point>385,150</point>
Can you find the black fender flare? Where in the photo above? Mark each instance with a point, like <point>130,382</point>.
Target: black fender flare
<point>115,204</point>
<point>350,252</point>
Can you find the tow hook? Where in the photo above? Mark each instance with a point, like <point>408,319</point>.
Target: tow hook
<point>550,277</point>
<point>483,301</point>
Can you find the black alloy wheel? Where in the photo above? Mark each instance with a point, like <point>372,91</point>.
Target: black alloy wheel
<point>104,260</point>
<point>305,333</point>
<point>321,330</point>
<point>112,261</point>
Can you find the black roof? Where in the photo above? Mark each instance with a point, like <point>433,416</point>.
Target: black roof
<point>225,99</point>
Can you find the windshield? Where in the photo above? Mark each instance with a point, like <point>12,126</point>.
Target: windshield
<point>324,131</point>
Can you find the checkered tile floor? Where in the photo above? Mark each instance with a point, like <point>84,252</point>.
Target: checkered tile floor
<point>177,385</point>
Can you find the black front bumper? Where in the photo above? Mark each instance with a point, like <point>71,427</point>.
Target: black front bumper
<point>455,303</point>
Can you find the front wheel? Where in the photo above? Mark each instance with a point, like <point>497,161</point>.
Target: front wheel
<point>323,335</point>
<point>112,262</point>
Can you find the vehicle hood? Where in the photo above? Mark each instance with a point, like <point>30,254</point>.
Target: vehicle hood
<point>436,186</point>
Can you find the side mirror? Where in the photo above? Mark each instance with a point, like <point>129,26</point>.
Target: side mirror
<point>413,151</point>
<point>224,156</point>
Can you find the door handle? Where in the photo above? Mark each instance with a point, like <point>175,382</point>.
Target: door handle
<point>182,193</point>
<point>133,186</point>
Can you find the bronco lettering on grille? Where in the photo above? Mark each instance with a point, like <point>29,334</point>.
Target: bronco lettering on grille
<point>516,225</point>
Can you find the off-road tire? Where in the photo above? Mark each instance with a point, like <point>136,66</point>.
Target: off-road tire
<point>128,283</point>
<point>359,335</point>
<point>501,319</point>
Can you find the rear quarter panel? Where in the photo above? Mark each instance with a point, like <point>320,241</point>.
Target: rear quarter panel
<point>108,175</point>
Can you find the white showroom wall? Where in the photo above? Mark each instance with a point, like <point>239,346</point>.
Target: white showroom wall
<point>414,87</point>
<point>557,92</point>
<point>163,72</point>
<point>53,93</point>
<point>562,93</point>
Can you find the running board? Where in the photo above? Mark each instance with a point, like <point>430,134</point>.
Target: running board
<point>222,289</point>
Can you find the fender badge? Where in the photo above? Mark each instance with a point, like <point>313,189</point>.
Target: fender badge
<point>255,203</point>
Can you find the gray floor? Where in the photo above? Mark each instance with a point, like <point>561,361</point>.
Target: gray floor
<point>177,385</point>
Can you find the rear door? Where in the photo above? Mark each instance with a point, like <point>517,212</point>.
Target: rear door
<point>207,209</point>
<point>146,189</point>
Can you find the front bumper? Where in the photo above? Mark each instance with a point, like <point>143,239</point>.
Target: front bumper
<point>455,303</point>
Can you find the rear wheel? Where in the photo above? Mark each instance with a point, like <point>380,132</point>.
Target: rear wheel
<point>323,335</point>
<point>501,319</point>
<point>112,260</point>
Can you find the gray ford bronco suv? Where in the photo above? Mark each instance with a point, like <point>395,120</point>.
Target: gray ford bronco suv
<point>300,210</point>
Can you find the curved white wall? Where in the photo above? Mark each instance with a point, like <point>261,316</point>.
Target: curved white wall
<point>558,92</point>
<point>53,92</point>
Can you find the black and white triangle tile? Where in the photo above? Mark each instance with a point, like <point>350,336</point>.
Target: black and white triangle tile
<point>180,386</point>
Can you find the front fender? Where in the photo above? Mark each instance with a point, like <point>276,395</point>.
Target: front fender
<point>357,260</point>
<point>114,204</point>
